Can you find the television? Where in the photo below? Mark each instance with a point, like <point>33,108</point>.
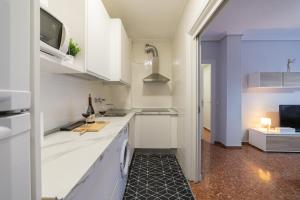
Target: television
<point>289,116</point>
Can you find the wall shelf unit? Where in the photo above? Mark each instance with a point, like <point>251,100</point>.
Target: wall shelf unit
<point>274,80</point>
<point>56,65</point>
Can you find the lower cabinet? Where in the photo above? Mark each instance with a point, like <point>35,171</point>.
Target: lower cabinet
<point>119,189</point>
<point>156,131</point>
<point>275,142</point>
<point>104,176</point>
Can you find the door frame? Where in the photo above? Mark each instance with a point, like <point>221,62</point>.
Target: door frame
<point>35,134</point>
<point>193,59</point>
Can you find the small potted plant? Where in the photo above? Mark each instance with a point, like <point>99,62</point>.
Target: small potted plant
<point>73,50</point>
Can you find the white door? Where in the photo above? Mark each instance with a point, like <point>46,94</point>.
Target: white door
<point>199,120</point>
<point>15,157</point>
<point>14,54</point>
<point>206,101</point>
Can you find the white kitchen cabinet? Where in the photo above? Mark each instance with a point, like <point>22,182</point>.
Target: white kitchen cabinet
<point>97,39</point>
<point>89,25</point>
<point>119,189</point>
<point>131,133</point>
<point>174,131</point>
<point>155,131</point>
<point>104,179</point>
<point>120,70</point>
<point>99,182</point>
<point>131,136</point>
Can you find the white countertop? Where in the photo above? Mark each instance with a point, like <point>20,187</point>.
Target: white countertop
<point>67,156</point>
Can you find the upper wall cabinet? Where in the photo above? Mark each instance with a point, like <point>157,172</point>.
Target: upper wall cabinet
<point>89,26</point>
<point>97,39</point>
<point>274,80</point>
<point>120,70</point>
<point>265,79</point>
<point>291,79</point>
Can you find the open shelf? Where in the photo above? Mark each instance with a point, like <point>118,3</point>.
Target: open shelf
<point>56,65</point>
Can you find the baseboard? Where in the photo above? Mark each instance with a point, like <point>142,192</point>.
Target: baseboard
<point>227,147</point>
<point>255,147</point>
<point>142,150</point>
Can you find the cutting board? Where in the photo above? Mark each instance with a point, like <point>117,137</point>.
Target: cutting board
<point>95,127</point>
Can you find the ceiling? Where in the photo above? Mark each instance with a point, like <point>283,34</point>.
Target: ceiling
<point>146,19</point>
<point>239,16</point>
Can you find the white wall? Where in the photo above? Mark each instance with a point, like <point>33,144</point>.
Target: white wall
<point>65,98</point>
<point>222,93</point>
<point>234,90</point>
<point>227,54</point>
<point>120,96</point>
<point>151,95</point>
<point>207,96</point>
<point>267,56</point>
<point>182,85</point>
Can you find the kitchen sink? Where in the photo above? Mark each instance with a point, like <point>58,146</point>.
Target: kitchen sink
<point>155,110</point>
<point>116,113</point>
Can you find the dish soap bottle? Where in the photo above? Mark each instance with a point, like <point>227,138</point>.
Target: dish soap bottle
<point>90,113</point>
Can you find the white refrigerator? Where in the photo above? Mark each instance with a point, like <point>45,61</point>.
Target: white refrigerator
<point>15,100</point>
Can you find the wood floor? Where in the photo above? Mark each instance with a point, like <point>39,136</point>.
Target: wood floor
<point>206,136</point>
<point>247,174</point>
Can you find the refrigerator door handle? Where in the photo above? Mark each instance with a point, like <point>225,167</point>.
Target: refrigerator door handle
<point>14,125</point>
<point>12,100</point>
<point>5,132</point>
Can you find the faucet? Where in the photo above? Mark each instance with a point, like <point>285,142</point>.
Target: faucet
<point>290,61</point>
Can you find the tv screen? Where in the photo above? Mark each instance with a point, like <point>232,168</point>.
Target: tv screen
<point>290,116</point>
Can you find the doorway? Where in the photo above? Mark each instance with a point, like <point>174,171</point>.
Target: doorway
<point>206,102</point>
<point>194,61</point>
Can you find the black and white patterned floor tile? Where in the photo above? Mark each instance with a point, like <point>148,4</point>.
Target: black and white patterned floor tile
<point>156,177</point>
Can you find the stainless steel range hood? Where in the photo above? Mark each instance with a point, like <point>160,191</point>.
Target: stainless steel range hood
<point>155,77</point>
